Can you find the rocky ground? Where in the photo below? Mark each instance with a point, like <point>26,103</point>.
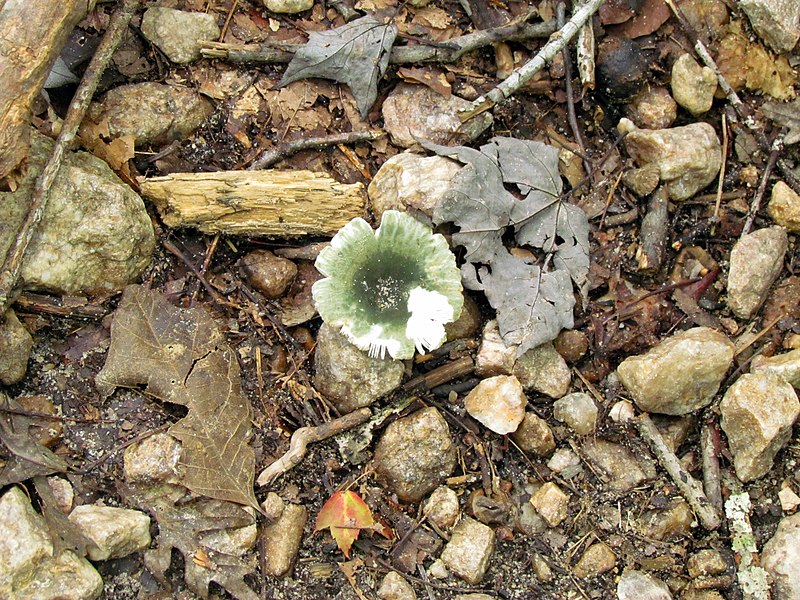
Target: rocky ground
<point>177,420</point>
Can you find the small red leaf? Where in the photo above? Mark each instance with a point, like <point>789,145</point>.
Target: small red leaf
<point>345,514</point>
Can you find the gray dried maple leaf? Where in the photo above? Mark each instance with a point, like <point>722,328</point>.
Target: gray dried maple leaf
<point>181,356</point>
<point>533,301</point>
<point>356,54</point>
<point>786,114</point>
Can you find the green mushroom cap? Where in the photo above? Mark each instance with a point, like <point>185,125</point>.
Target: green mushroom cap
<point>389,290</point>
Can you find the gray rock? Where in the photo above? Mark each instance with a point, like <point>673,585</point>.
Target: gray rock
<point>498,403</point>
<point>673,521</point>
<point>95,236</point>
<point>395,587</point>
<point>623,469</point>
<point>638,585</point>
<point>441,508</point>
<point>15,348</point>
<point>177,33</point>
<point>288,7</point>
<point>469,550</point>
<point>282,539</point>
<point>153,113</point>
<point>544,370</point>
<point>679,375</point>
<point>653,108</point>
<point>756,261</point>
<point>786,366</point>
<point>349,377</point>
<point>693,86</point>
<point>784,207</point>
<point>269,274</point>
<point>758,412</point>
<point>116,532</point>
<point>777,22</point>
<point>28,568</point>
<point>153,460</point>
<point>780,557</point>
<point>596,559</point>
<point>411,181</point>
<point>494,356</point>
<point>552,503</point>
<point>534,436</point>
<point>416,111</point>
<point>578,411</point>
<point>415,454</point>
<point>688,157</point>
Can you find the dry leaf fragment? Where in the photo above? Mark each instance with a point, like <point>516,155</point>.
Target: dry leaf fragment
<point>345,514</point>
<point>787,115</point>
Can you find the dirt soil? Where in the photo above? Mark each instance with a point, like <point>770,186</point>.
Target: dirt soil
<point>629,310</point>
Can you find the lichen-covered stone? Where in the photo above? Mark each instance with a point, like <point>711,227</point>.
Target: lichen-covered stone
<point>178,33</point>
<point>544,370</point>
<point>15,348</point>
<point>116,532</point>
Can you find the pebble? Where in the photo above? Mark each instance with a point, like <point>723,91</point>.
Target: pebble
<point>693,86</point>
<point>706,562</point>
<point>777,22</point>
<point>534,436</point>
<point>288,7</point>
<point>565,462</point>
<point>638,585</point>
<point>15,348</point>
<point>544,370</point>
<point>441,508</point>
<point>63,493</point>
<point>552,503</point>
<point>95,236</point>
<point>498,403</point>
<point>578,411</point>
<point>494,356</point>
<point>178,33</point>
<point>28,568</point>
<point>780,557</point>
<point>348,377</point>
<point>469,550</point>
<point>622,412</point>
<point>571,344</point>
<point>653,108</point>
<point>786,366</point>
<point>116,532</point>
<point>756,261</point>
<point>784,207</point>
<point>787,497</point>
<point>395,587</point>
<point>153,113</point>
<point>153,460</point>
<point>269,274</point>
<point>541,569</point>
<point>409,181</point>
<point>281,539</point>
<point>642,181</point>
<point>233,541</point>
<point>467,324</point>
<point>438,570</point>
<point>679,375</point>
<point>416,111</point>
<point>688,157</point>
<point>415,454</point>
<point>623,469</point>
<point>758,412</point>
<point>667,523</point>
<point>597,559</point>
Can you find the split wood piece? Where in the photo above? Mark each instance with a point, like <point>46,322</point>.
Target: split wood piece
<point>686,484</point>
<point>33,33</point>
<point>260,203</point>
<point>309,435</point>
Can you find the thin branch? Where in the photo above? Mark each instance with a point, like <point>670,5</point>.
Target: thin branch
<point>521,76</point>
<point>270,157</point>
<point>573,119</point>
<point>9,273</point>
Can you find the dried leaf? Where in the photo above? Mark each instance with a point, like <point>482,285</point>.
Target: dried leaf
<point>356,54</point>
<point>28,457</point>
<point>181,356</point>
<point>433,78</point>
<point>533,303</point>
<point>786,115</point>
<point>182,526</point>
<point>345,514</point>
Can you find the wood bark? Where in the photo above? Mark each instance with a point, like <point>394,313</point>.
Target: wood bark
<point>268,203</point>
<point>34,32</point>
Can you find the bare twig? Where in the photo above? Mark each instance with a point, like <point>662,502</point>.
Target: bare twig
<point>686,484</point>
<point>573,119</point>
<point>308,435</point>
<point>9,273</point>
<point>709,439</point>
<point>521,76</point>
<point>762,187</point>
<point>270,157</point>
<point>444,52</point>
<point>440,375</point>
<point>718,199</point>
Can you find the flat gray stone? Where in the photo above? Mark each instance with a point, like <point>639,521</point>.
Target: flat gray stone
<point>178,33</point>
<point>777,22</point>
<point>544,370</point>
<point>116,532</point>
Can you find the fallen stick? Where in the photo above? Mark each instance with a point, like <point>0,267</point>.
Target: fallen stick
<point>9,273</point>
<point>270,157</point>
<point>686,484</point>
